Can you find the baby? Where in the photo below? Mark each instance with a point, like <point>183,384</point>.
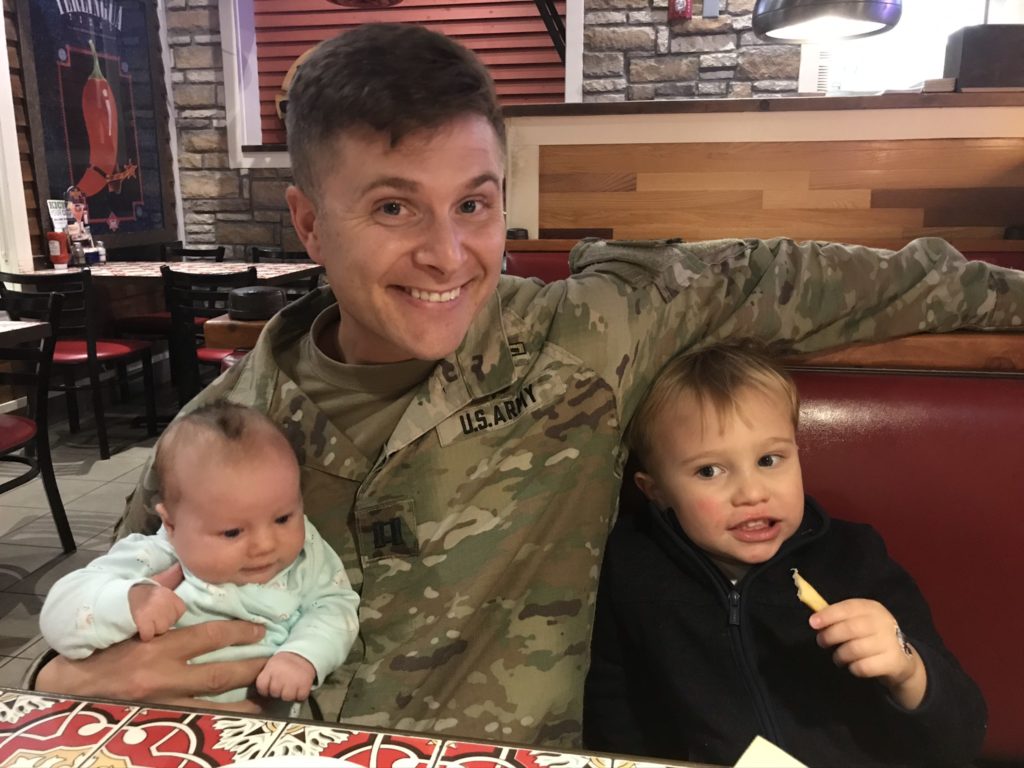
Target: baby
<point>232,520</point>
<point>699,641</point>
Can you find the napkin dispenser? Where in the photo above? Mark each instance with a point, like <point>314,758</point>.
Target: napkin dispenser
<point>255,302</point>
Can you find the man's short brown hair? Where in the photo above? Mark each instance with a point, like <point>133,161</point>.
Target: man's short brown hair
<point>713,375</point>
<point>389,78</point>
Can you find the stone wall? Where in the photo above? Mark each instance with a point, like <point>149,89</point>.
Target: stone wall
<point>223,206</point>
<point>631,52</point>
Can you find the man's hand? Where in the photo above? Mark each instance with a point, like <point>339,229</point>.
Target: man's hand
<point>158,671</point>
<point>865,639</point>
<point>286,676</point>
<point>154,607</point>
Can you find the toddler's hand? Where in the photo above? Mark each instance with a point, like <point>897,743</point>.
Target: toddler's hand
<point>154,608</point>
<point>865,639</point>
<point>286,676</point>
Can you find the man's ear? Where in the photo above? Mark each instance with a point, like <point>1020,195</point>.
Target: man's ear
<point>649,487</point>
<point>165,518</point>
<point>304,213</point>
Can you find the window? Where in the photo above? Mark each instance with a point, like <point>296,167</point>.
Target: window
<point>904,57</point>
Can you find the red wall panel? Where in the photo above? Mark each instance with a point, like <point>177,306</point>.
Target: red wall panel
<point>509,36</point>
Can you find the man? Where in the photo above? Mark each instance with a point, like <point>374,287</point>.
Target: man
<point>460,434</point>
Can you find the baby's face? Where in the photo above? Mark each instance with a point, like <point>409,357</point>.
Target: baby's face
<point>734,482</point>
<point>238,522</point>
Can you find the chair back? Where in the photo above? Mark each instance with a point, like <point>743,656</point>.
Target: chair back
<point>177,252</point>
<point>188,297</point>
<point>33,374</point>
<point>293,289</point>
<point>78,312</point>
<point>275,255</point>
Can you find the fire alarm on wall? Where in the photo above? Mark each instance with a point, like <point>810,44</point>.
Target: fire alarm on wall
<point>680,10</point>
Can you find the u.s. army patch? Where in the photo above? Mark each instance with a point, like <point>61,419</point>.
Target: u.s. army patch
<point>501,411</point>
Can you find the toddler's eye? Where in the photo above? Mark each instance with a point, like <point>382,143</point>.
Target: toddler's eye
<point>234,533</point>
<point>708,471</point>
<point>769,460</point>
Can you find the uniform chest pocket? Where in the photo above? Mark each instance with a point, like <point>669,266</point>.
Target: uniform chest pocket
<point>387,530</point>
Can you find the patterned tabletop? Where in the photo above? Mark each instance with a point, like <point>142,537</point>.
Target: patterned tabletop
<point>45,731</point>
<point>151,269</point>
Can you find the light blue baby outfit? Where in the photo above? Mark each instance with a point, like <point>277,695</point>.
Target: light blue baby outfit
<point>309,608</point>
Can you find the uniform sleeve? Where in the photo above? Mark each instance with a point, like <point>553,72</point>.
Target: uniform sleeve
<point>793,296</point>
<point>948,727</point>
<point>87,609</point>
<point>329,623</point>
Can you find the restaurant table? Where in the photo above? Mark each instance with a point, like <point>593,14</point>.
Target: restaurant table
<point>39,730</point>
<point>13,332</point>
<point>224,333</point>
<point>267,274</point>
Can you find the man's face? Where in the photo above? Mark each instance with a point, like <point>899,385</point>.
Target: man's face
<point>734,483</point>
<point>411,237</point>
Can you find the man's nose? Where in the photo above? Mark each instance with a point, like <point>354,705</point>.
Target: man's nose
<point>441,247</point>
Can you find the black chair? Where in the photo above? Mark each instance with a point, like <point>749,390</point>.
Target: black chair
<point>28,367</point>
<point>293,289</point>
<point>190,298</point>
<point>78,346</point>
<point>177,252</point>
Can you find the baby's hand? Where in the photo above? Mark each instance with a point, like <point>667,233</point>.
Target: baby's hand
<point>286,676</point>
<point>866,640</point>
<point>154,608</point>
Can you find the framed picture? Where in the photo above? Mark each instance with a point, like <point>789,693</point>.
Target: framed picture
<point>98,114</point>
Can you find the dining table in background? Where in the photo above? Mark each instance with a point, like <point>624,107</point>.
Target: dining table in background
<point>14,332</point>
<point>40,730</point>
<point>131,288</point>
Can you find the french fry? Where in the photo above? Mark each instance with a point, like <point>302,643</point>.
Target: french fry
<point>807,594</point>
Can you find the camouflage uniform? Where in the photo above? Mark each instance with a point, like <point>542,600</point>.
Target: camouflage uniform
<point>475,538</point>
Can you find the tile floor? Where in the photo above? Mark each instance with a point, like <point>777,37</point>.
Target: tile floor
<point>93,492</point>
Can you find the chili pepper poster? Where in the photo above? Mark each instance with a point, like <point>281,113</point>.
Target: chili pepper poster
<point>102,115</point>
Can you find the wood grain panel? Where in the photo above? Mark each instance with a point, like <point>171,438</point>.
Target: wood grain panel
<point>14,55</point>
<point>785,156</point>
<point>844,191</point>
<point>654,182</point>
<point>589,182</point>
<point>817,198</point>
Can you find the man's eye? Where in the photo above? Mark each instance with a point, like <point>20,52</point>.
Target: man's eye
<point>283,519</point>
<point>391,208</point>
<point>708,471</point>
<point>469,206</point>
<point>234,533</point>
<point>769,460</point>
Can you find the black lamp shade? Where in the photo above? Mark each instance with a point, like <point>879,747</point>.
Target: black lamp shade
<point>852,18</point>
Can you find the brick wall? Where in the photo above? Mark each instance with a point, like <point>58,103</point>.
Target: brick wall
<point>631,52</point>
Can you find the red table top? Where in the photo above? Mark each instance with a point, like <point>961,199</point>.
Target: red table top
<point>40,730</point>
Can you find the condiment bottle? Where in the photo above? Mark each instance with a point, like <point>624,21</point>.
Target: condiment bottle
<point>57,244</point>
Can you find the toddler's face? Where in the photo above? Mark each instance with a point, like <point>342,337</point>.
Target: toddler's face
<point>733,482</point>
<point>238,522</point>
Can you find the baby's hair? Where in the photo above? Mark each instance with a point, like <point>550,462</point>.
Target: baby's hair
<point>712,375</point>
<point>231,427</point>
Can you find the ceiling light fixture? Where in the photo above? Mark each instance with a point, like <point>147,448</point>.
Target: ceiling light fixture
<point>808,21</point>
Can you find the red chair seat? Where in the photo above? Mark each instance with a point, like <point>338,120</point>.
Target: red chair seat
<point>212,355</point>
<point>75,352</point>
<point>15,430</point>
<point>235,356</point>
